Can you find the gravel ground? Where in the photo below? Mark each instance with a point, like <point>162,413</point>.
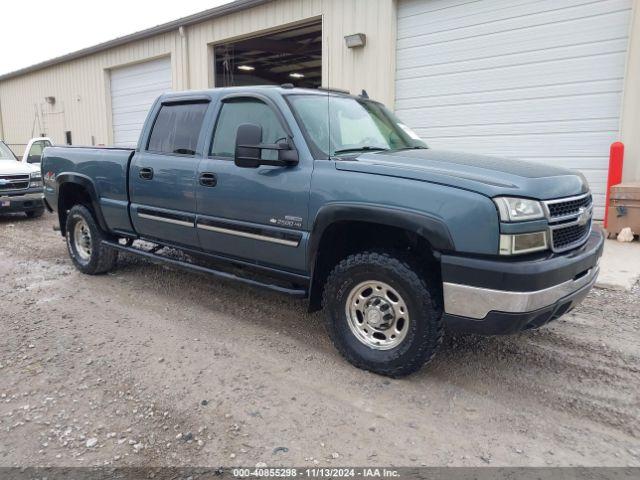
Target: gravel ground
<point>149,366</point>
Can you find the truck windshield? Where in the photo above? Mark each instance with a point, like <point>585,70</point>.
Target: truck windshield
<point>6,153</point>
<point>345,125</point>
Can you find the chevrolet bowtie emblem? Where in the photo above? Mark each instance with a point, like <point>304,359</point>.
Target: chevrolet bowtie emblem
<point>584,216</point>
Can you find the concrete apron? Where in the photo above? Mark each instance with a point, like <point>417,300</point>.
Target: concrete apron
<point>619,266</point>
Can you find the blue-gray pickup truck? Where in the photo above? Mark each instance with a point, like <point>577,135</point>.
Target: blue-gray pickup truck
<point>330,197</point>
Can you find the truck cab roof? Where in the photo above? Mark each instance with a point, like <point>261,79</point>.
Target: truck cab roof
<point>266,90</point>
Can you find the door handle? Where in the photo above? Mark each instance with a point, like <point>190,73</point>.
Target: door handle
<point>146,173</point>
<point>208,179</point>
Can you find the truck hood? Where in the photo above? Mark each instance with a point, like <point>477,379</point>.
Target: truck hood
<point>11,167</point>
<point>490,176</point>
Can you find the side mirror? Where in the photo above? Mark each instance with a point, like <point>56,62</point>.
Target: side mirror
<point>34,158</point>
<point>249,148</point>
<point>248,152</point>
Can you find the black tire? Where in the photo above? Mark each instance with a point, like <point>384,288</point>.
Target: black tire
<point>101,259</point>
<point>35,213</point>
<point>420,293</point>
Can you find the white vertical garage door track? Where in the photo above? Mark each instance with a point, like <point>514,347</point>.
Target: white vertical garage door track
<point>535,80</point>
<point>133,91</point>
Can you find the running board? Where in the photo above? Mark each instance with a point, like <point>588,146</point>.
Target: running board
<point>160,260</point>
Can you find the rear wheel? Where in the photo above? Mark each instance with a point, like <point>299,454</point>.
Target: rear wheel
<point>382,314</point>
<point>84,242</point>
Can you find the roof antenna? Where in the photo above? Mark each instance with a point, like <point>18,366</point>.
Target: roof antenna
<point>364,94</point>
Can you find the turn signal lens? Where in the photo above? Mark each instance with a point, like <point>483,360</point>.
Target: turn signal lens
<point>523,243</point>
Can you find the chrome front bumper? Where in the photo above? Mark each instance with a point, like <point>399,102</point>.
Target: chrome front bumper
<point>22,198</point>
<point>476,302</point>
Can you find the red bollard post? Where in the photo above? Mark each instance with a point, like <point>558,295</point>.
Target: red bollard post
<point>616,158</point>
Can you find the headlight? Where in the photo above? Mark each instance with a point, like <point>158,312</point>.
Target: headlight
<point>36,180</point>
<point>518,209</point>
<point>523,243</point>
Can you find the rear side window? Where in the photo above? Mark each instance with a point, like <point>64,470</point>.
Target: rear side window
<point>177,128</point>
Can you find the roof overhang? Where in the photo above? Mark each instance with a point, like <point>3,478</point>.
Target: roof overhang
<point>212,13</point>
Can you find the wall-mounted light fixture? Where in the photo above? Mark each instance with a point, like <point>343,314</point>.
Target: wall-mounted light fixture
<point>357,40</point>
<point>50,100</point>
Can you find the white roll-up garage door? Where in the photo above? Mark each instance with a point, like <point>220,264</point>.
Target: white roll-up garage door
<point>133,91</point>
<point>535,80</point>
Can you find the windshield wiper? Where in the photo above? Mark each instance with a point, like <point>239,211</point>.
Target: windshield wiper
<point>360,149</point>
<point>415,147</point>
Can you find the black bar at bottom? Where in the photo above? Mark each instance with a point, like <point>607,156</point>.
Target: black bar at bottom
<point>159,259</point>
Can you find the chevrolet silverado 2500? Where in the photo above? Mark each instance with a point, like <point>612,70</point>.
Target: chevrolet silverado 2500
<point>330,197</point>
<point>20,185</point>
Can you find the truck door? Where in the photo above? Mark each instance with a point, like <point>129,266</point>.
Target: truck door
<point>257,214</point>
<point>162,176</point>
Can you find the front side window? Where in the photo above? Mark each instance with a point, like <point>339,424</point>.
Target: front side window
<point>342,125</point>
<point>177,128</point>
<point>6,153</point>
<point>242,111</point>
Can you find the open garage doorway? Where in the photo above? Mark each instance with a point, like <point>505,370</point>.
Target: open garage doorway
<point>288,56</point>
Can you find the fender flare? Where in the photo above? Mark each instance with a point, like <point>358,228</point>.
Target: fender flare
<point>87,183</point>
<point>432,228</point>
<point>428,226</point>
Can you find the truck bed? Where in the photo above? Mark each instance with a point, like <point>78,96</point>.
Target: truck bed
<point>104,167</point>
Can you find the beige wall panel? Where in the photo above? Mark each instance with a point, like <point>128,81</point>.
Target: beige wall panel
<point>80,89</point>
<point>630,122</point>
<point>1,127</point>
<point>371,68</point>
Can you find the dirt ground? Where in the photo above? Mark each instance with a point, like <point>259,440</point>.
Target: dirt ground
<point>149,366</point>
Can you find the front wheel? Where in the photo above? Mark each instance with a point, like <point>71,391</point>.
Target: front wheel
<point>84,242</point>
<point>382,315</point>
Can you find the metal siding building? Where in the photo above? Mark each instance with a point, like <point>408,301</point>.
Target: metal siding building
<point>544,80</point>
<point>81,83</point>
<point>540,81</point>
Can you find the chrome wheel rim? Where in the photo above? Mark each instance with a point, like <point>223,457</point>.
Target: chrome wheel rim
<point>82,239</point>
<point>377,315</point>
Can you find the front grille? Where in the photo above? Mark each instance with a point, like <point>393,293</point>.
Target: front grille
<point>566,237</point>
<point>568,207</point>
<point>569,221</point>
<point>14,182</point>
